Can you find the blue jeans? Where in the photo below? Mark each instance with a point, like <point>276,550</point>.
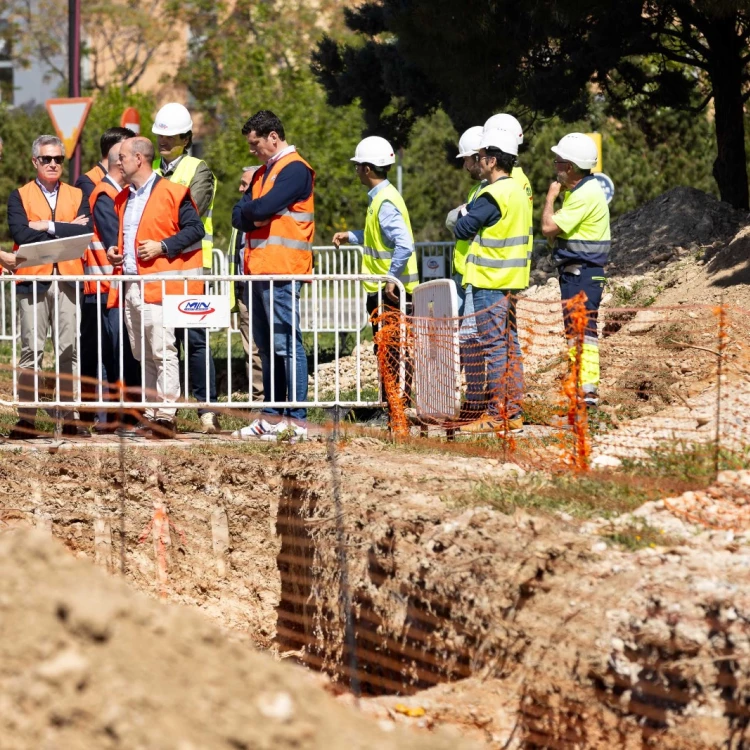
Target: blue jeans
<point>289,382</point>
<point>495,311</point>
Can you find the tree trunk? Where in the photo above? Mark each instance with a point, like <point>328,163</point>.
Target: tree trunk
<point>730,167</point>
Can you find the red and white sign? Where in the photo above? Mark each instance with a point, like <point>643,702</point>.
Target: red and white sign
<point>131,119</point>
<point>196,311</point>
<point>68,118</point>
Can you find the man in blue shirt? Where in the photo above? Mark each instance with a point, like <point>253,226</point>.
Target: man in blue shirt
<point>387,237</point>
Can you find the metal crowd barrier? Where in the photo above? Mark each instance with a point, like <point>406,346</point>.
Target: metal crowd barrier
<point>322,393</point>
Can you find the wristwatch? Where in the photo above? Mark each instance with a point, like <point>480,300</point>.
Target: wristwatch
<point>163,247</point>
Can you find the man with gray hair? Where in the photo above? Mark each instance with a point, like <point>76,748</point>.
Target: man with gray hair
<point>41,210</point>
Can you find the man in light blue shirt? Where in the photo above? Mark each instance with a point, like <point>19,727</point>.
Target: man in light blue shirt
<point>387,239</point>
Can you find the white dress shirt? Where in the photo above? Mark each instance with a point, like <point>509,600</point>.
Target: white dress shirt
<point>51,198</point>
<point>137,200</point>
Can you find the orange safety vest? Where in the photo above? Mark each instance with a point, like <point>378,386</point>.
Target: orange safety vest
<point>160,220</point>
<point>96,174</point>
<point>37,209</point>
<point>95,258</point>
<point>284,245</point>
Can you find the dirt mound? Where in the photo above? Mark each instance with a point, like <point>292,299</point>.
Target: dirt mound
<point>88,663</point>
<point>679,222</point>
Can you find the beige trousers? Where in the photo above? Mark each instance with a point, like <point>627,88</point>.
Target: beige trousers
<point>35,320</point>
<point>156,349</point>
<point>254,371</point>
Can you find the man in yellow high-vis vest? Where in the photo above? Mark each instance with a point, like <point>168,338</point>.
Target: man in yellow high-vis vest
<point>173,128</point>
<point>497,225</point>
<point>580,230</point>
<point>510,124</point>
<point>469,347</point>
<point>387,237</point>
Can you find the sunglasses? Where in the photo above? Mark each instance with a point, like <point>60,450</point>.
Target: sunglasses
<point>50,159</point>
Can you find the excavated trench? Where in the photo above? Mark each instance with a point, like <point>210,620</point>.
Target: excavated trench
<point>389,590</point>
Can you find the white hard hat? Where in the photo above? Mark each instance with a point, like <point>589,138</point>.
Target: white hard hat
<point>505,122</point>
<point>374,150</point>
<point>468,143</point>
<point>500,139</point>
<point>579,149</point>
<point>172,119</point>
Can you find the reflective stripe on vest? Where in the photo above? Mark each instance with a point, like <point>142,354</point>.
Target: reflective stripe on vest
<point>520,177</point>
<point>377,256</point>
<point>297,215</point>
<point>183,174</point>
<point>498,256</point>
<point>462,246</point>
<point>95,258</point>
<point>284,244</point>
<point>66,210</point>
<point>161,219</point>
<point>589,241</point>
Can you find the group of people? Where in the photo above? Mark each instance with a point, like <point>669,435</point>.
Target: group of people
<point>492,257</point>
<point>151,213</point>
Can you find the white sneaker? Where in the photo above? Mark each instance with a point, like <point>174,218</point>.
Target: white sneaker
<point>256,429</point>
<point>286,432</point>
<point>209,423</point>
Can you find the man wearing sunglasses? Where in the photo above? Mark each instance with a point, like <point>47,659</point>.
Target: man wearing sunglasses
<point>41,210</point>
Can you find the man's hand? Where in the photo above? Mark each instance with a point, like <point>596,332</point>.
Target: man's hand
<point>263,223</point>
<point>80,220</point>
<point>39,226</point>
<point>7,260</point>
<point>149,249</point>
<point>554,190</point>
<point>113,256</point>
<point>340,238</point>
<point>390,293</point>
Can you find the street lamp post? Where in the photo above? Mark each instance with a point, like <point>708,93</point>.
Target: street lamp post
<point>74,74</point>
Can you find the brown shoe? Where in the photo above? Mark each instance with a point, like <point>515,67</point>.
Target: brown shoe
<point>491,426</point>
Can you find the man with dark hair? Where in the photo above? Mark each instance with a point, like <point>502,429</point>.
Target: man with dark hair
<point>277,215</point>
<point>173,128</point>
<point>88,181</point>
<point>498,226</point>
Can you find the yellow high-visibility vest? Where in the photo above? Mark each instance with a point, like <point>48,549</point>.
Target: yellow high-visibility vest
<point>520,177</point>
<point>498,254</point>
<point>377,255</point>
<point>462,246</point>
<point>183,175</point>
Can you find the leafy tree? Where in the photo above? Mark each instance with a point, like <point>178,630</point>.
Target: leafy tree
<point>540,58</point>
<point>242,63</point>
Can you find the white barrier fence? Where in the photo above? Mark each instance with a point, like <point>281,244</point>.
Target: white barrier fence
<point>60,387</point>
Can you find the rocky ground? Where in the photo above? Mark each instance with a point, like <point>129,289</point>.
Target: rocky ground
<point>485,611</point>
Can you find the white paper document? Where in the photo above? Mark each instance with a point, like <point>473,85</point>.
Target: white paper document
<point>53,251</point>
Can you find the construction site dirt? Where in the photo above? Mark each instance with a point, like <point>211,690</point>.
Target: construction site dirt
<point>352,591</point>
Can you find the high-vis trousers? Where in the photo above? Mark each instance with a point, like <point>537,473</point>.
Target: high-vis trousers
<point>590,280</point>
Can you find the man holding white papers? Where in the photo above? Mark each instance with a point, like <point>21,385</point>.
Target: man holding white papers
<point>42,210</point>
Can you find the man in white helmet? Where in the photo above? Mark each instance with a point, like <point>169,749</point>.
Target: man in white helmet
<point>173,128</point>
<point>580,231</point>
<point>510,124</point>
<point>468,151</point>
<point>497,226</point>
<point>387,237</point>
